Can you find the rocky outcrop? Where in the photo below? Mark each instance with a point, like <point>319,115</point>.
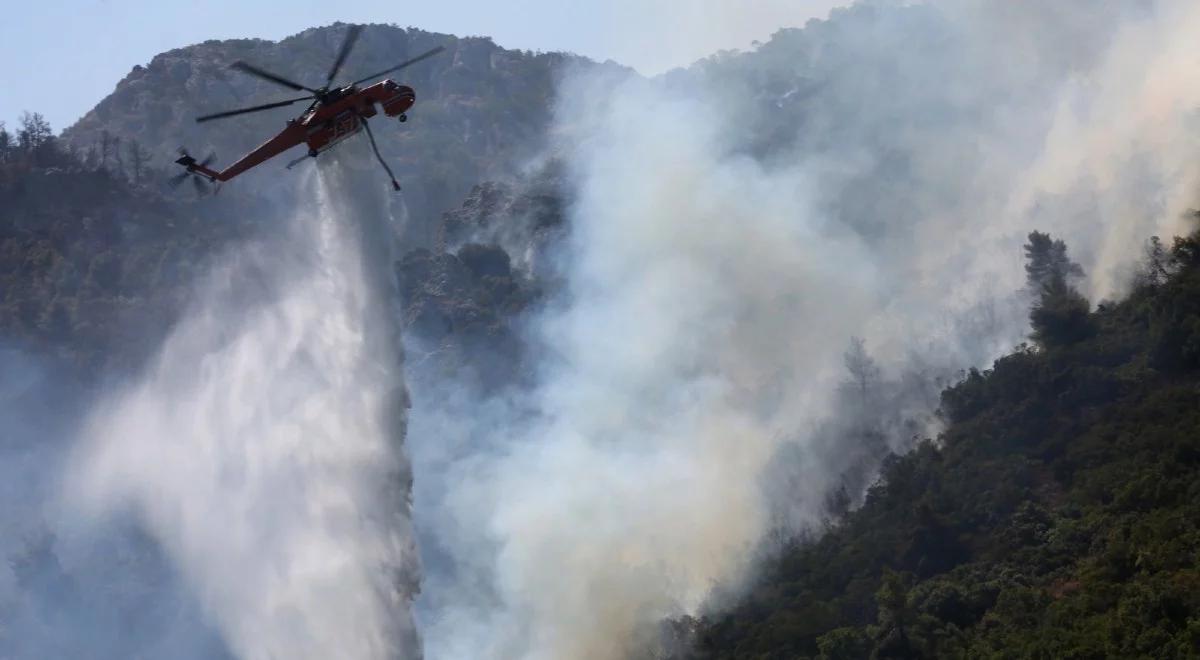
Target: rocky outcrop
<point>463,302</point>
<point>458,312</point>
<point>523,218</point>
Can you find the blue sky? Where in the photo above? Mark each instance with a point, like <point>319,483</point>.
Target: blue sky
<point>63,56</point>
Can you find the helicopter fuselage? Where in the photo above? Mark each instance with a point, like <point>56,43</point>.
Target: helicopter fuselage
<point>334,116</point>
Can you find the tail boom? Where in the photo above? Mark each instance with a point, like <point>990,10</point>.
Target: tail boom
<point>200,169</point>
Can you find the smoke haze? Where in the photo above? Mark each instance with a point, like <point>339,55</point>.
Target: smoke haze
<point>734,226</point>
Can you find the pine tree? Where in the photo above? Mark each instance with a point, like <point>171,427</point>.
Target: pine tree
<point>1156,267</point>
<point>6,142</point>
<point>1048,263</point>
<point>1060,314</point>
<point>894,619</point>
<point>118,161</point>
<point>864,373</point>
<point>91,158</point>
<point>34,142</point>
<point>35,133</point>
<point>138,157</point>
<point>106,148</point>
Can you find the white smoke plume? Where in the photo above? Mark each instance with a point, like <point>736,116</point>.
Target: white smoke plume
<point>734,227</point>
<point>263,447</point>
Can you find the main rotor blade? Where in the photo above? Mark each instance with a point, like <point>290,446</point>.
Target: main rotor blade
<point>343,52</point>
<point>401,65</point>
<point>267,75</point>
<point>242,111</point>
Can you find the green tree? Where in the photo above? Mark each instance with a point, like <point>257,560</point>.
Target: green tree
<point>106,148</point>
<point>118,160</point>
<point>138,157</point>
<point>1047,263</point>
<point>35,132</point>
<point>1060,317</point>
<point>1060,314</point>
<point>844,644</point>
<point>895,618</point>
<point>1156,266</point>
<point>6,142</point>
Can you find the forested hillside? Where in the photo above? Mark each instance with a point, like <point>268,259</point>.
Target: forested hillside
<point>1057,516</point>
<point>95,260</point>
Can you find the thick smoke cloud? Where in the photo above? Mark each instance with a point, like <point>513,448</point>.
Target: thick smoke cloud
<point>262,448</point>
<point>733,228</point>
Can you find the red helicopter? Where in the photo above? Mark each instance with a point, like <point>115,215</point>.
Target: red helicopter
<point>336,113</point>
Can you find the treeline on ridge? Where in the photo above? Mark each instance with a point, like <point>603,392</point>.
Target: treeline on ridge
<point>96,254</point>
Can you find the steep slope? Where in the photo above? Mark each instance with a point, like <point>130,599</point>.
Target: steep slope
<point>94,268</point>
<point>481,109</point>
<point>464,302</point>
<point>1056,516</point>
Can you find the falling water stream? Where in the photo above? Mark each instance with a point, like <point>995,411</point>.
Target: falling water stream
<point>262,448</point>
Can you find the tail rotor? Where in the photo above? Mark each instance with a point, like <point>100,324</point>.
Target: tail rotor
<point>193,170</point>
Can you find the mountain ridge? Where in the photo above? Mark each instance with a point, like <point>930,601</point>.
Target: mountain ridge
<point>481,112</point>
